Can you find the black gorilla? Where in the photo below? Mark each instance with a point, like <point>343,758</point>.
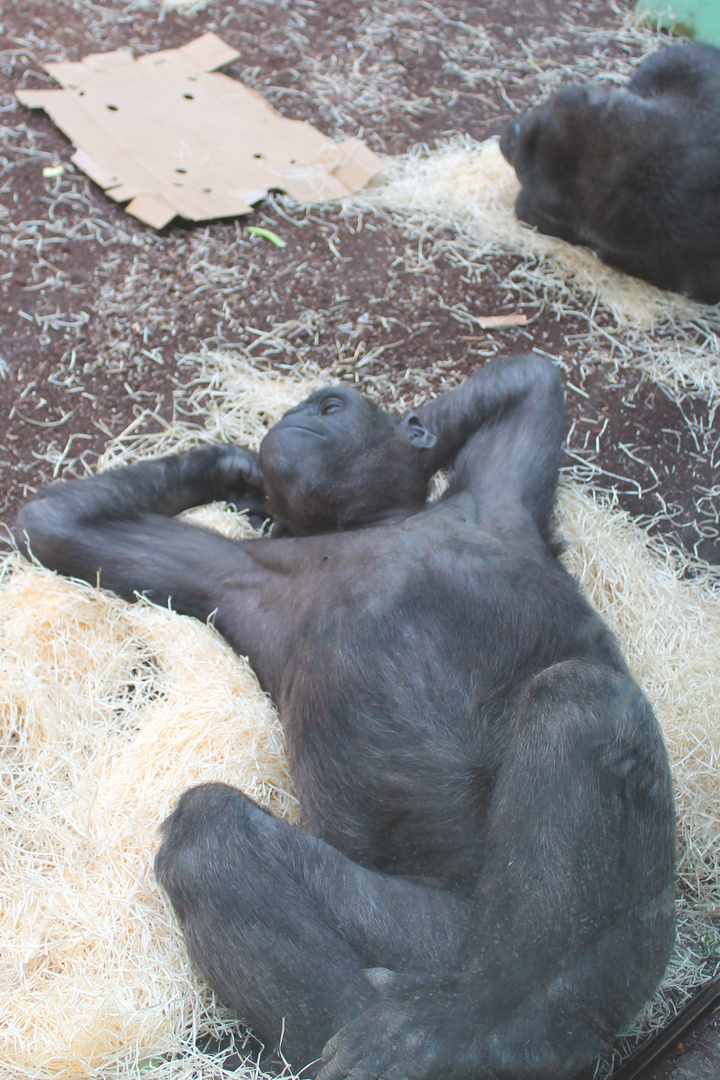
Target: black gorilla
<point>634,172</point>
<point>485,886</point>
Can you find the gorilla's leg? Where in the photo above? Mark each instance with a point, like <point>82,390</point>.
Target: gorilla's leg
<point>282,925</point>
<point>577,888</point>
<point>573,914</point>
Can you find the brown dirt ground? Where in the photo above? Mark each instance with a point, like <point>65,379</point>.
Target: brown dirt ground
<point>97,308</point>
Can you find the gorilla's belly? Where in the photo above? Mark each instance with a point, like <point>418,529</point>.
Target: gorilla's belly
<point>414,678</point>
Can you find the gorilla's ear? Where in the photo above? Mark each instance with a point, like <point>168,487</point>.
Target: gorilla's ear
<point>416,433</point>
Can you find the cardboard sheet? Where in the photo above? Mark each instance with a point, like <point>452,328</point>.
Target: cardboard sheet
<point>171,135</point>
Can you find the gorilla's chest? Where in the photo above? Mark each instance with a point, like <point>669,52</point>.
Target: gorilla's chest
<point>425,612</point>
<point>398,675</point>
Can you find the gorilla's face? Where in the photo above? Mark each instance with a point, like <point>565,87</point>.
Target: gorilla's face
<point>338,461</point>
<point>548,145</point>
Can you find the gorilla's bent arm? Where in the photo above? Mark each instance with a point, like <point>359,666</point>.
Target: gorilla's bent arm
<point>503,431</point>
<point>115,525</point>
<point>116,529</point>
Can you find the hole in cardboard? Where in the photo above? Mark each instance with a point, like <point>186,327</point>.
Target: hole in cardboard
<point>181,170</point>
<point>112,108</point>
<point>189,97</point>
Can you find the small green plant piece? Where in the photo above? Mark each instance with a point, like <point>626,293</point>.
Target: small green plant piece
<point>255,230</point>
<point>53,170</point>
<point>710,944</point>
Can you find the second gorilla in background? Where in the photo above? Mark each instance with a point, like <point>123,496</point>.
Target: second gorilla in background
<point>632,172</point>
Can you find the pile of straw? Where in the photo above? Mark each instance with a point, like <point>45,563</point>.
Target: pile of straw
<point>108,711</point>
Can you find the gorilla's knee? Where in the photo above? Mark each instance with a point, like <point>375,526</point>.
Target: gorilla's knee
<point>573,697</point>
<point>204,835</point>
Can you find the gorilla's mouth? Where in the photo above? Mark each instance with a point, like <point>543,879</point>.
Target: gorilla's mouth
<point>309,430</point>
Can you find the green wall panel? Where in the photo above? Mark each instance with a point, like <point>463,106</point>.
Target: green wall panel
<point>696,19</point>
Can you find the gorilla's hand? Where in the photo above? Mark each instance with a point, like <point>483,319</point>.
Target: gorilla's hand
<point>235,477</point>
<point>237,469</point>
<point>419,1030</point>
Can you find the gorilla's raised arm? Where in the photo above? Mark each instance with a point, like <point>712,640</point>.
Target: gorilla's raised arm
<point>165,486</point>
<point>503,431</point>
<point>113,527</point>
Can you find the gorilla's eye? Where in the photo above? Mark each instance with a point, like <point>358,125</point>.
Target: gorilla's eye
<point>330,405</point>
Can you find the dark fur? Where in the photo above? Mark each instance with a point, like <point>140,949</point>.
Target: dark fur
<point>634,172</point>
<point>484,887</point>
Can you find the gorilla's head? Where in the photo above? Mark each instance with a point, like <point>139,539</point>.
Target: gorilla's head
<point>548,146</point>
<point>338,461</point>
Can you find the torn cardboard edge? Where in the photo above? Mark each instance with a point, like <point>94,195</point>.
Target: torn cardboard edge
<point>169,135</point>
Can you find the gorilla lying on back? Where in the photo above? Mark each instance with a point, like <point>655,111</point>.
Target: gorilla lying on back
<point>484,887</point>
<point>634,172</point>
